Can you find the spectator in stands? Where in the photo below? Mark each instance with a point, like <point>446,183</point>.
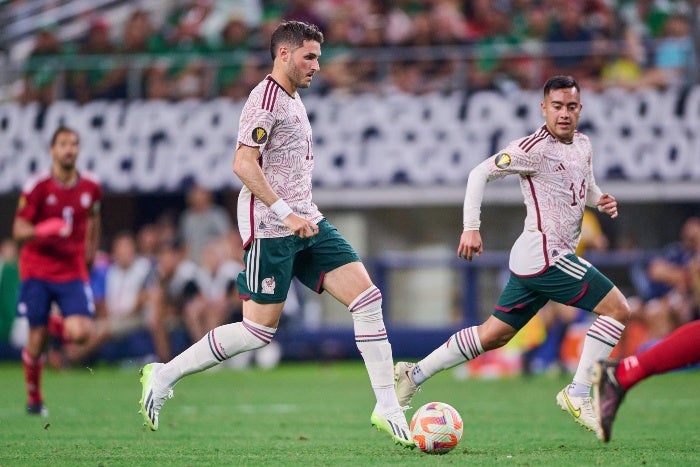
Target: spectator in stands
<point>140,37</point>
<point>40,77</point>
<point>674,55</point>
<point>570,43</point>
<point>304,10</point>
<point>234,44</point>
<point>645,17</point>
<point>105,79</point>
<point>183,72</point>
<point>670,294</point>
<point>493,66</point>
<point>177,297</point>
<point>126,288</point>
<point>447,22</point>
<point>221,272</point>
<point>202,222</point>
<point>624,69</point>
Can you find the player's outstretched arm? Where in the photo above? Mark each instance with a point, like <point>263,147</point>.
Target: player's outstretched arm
<point>607,204</point>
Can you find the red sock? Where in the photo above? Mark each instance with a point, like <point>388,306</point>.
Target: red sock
<point>32,377</point>
<point>678,349</point>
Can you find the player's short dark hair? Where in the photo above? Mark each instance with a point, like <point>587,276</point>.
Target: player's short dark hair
<point>63,129</point>
<point>294,33</point>
<point>560,82</point>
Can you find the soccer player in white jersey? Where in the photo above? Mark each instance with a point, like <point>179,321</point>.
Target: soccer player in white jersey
<point>286,236</point>
<point>556,179</point>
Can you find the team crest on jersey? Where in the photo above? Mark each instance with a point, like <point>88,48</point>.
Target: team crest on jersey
<point>260,135</point>
<point>502,160</point>
<point>268,285</point>
<point>51,199</point>
<point>85,200</point>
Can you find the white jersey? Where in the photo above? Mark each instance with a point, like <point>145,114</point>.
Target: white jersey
<point>276,122</point>
<point>124,285</point>
<point>557,182</point>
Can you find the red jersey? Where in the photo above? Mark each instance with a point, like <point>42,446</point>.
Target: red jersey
<point>55,258</point>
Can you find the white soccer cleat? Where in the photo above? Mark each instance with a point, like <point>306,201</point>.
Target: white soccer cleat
<point>394,423</point>
<point>581,408</point>
<point>403,383</point>
<point>152,396</point>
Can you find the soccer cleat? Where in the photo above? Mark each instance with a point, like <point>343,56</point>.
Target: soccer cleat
<point>394,423</point>
<point>608,396</point>
<point>403,383</point>
<point>581,408</point>
<point>38,408</point>
<point>152,397</point>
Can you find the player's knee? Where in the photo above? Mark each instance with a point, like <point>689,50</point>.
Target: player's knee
<point>243,336</point>
<point>367,306</point>
<point>77,334</point>
<point>620,311</point>
<point>491,340</point>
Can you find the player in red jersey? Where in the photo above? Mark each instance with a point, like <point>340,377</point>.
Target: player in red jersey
<point>612,379</point>
<point>57,222</point>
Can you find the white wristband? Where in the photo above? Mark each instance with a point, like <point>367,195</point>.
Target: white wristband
<point>281,208</point>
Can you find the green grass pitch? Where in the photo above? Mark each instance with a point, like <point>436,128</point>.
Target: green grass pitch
<point>318,414</point>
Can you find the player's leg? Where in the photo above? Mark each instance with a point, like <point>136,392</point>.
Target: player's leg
<point>601,338</point>
<point>613,379</point>
<point>330,263</point>
<point>574,281</point>
<point>677,350</point>
<point>264,283</point>
<point>350,284</point>
<point>75,302</point>
<point>33,361</point>
<point>34,303</point>
<point>515,307</point>
<point>256,330</point>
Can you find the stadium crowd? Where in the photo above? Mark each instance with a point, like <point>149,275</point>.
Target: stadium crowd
<point>205,48</point>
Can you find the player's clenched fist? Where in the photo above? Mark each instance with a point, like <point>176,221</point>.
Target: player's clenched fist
<point>469,244</point>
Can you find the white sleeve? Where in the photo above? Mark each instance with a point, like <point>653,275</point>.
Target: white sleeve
<point>475,194</point>
<point>594,192</point>
<point>593,195</point>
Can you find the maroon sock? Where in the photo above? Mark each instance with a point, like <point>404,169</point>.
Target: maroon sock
<point>32,377</point>
<point>678,349</point>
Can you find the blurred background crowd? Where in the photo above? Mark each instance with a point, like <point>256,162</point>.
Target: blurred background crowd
<point>205,48</point>
<point>163,283</point>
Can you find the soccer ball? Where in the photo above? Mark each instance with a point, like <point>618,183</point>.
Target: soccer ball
<point>436,428</point>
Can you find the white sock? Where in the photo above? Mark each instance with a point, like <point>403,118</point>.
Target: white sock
<point>603,335</point>
<point>219,344</point>
<point>373,344</point>
<point>462,346</point>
